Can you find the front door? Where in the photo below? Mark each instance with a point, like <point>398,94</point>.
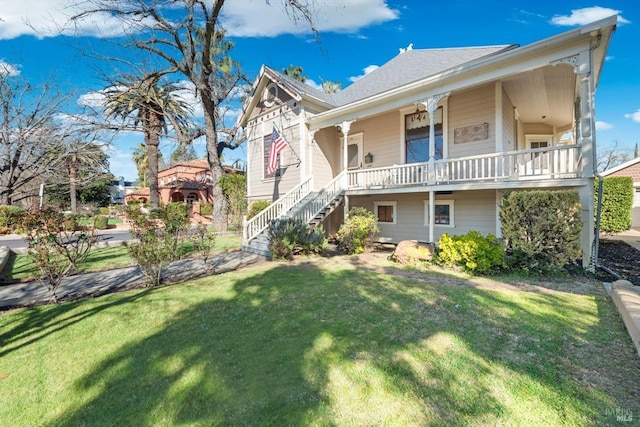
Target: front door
<point>538,163</point>
<point>354,151</point>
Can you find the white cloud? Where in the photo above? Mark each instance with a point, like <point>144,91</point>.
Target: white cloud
<point>587,15</point>
<point>255,18</point>
<point>121,164</point>
<point>366,70</point>
<point>92,99</point>
<point>241,18</point>
<point>8,70</point>
<point>633,116</point>
<point>603,125</point>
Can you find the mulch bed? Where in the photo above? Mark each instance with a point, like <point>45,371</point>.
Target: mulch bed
<point>621,258</point>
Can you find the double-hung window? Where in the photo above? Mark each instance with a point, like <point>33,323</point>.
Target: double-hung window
<point>385,212</point>
<point>417,134</point>
<point>444,213</point>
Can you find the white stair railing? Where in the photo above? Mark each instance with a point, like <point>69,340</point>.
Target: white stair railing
<point>256,225</point>
<point>329,193</point>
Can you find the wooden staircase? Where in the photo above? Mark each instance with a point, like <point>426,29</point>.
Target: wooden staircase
<point>312,208</point>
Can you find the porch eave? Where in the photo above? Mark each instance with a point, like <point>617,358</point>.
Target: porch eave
<point>530,184</point>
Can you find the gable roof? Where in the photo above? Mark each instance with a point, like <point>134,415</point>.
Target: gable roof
<point>411,66</point>
<point>415,69</point>
<point>621,167</point>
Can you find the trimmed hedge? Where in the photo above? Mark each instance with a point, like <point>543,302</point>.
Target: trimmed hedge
<point>617,202</point>
<point>541,229</point>
<point>257,207</point>
<point>472,252</point>
<point>101,222</point>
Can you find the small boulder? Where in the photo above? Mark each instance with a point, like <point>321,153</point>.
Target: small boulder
<point>413,252</point>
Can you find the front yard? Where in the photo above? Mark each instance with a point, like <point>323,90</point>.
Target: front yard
<point>323,341</point>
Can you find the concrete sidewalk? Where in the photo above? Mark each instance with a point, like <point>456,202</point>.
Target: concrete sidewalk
<point>98,283</point>
<point>631,236</point>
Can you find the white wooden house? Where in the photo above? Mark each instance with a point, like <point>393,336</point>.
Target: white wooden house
<point>500,117</point>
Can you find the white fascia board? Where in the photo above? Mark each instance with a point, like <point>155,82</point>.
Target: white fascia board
<point>620,167</point>
<point>480,71</point>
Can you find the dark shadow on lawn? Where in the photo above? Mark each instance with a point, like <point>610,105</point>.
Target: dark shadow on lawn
<point>36,323</point>
<point>264,357</point>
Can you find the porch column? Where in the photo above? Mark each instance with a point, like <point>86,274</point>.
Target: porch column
<point>345,127</point>
<point>432,214</point>
<point>582,66</point>
<point>431,105</point>
<point>346,207</point>
<point>310,142</point>
<point>587,142</point>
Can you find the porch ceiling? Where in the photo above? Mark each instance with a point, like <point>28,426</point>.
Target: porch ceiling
<point>548,91</point>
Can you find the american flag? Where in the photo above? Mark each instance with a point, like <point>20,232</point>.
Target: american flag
<point>277,145</point>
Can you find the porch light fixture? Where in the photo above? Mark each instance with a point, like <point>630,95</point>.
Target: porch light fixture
<point>368,158</point>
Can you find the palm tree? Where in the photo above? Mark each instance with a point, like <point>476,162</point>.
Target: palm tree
<point>149,104</point>
<point>82,154</point>
<point>140,159</point>
<point>295,72</point>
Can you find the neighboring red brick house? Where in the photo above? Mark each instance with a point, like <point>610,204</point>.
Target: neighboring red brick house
<point>632,169</point>
<point>183,182</point>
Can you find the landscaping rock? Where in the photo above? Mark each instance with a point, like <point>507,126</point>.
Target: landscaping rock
<point>413,252</point>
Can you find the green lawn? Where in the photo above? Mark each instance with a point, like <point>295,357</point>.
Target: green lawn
<point>323,342</point>
<point>110,258</point>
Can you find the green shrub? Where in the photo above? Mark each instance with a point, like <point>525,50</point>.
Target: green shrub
<point>10,216</point>
<point>472,252</point>
<point>257,207</point>
<point>206,208</point>
<point>71,222</point>
<point>617,203</point>
<point>104,211</point>
<point>101,222</point>
<point>358,231</point>
<point>291,236</point>
<point>541,229</point>
<point>159,239</point>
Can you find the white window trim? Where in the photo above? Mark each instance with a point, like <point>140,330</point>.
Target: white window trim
<point>395,211</point>
<point>452,217</point>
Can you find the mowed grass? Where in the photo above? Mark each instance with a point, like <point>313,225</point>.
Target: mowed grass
<point>323,342</point>
<point>111,258</point>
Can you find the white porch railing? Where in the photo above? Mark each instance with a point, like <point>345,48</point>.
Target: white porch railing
<point>543,163</point>
<point>330,192</point>
<point>256,225</point>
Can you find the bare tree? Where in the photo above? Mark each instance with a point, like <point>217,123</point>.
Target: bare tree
<point>186,38</point>
<point>612,155</point>
<point>28,134</point>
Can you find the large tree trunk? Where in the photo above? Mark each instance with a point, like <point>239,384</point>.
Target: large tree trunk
<point>220,206</point>
<point>153,140</point>
<point>73,177</point>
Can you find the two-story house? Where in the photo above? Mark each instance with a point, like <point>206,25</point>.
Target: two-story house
<point>188,181</point>
<point>431,140</point>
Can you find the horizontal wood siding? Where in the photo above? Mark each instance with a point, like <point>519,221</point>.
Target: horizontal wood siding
<point>473,210</point>
<point>469,108</point>
<point>508,122</point>
<point>382,137</point>
<point>325,157</point>
<point>259,188</point>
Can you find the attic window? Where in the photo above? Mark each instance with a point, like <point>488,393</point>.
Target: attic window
<point>270,95</point>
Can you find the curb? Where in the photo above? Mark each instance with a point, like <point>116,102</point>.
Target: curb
<point>626,297</point>
<point>5,253</point>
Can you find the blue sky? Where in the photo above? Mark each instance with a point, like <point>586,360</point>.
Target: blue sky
<point>355,37</point>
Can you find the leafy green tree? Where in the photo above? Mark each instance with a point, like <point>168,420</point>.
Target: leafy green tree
<point>149,104</point>
<point>187,39</point>
<point>234,187</point>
